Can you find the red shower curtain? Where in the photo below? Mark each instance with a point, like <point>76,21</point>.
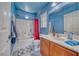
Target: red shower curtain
<point>36,29</point>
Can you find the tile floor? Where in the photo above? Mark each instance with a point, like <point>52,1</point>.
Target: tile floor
<point>31,50</point>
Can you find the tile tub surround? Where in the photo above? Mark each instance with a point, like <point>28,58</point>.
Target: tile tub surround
<point>60,42</point>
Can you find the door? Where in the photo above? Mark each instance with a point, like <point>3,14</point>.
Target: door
<point>5,8</point>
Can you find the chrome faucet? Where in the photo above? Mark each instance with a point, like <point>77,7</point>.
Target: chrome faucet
<point>70,35</point>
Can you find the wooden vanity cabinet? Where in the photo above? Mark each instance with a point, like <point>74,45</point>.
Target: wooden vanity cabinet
<point>57,50</point>
<point>44,47</point>
<point>49,48</point>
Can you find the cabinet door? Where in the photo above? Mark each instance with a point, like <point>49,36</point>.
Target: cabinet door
<point>51,49</point>
<point>69,52</point>
<point>57,50</point>
<point>44,47</point>
<point>78,54</point>
<point>41,46</point>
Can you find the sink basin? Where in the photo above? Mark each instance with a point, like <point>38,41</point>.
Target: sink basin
<point>72,42</point>
<point>62,38</point>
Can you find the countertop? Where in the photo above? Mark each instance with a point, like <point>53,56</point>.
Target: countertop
<point>60,42</point>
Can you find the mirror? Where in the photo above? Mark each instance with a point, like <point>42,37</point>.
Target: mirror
<point>71,22</point>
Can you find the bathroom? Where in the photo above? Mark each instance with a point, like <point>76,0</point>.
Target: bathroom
<point>39,28</point>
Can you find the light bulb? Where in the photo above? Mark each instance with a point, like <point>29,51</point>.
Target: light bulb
<point>26,17</point>
<point>54,4</point>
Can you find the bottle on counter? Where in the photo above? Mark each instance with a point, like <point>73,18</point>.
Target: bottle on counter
<point>50,28</point>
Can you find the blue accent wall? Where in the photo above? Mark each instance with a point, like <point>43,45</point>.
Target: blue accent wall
<point>58,18</point>
<point>58,22</point>
<point>45,8</point>
<point>12,8</point>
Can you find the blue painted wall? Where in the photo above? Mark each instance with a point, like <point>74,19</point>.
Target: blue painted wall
<point>57,22</point>
<point>12,8</point>
<point>45,8</point>
<point>58,18</point>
